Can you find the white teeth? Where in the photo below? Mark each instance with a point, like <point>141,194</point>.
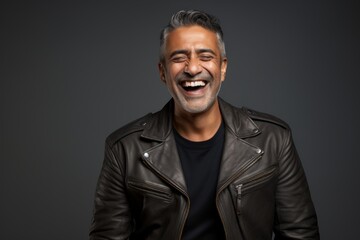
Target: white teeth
<point>193,84</point>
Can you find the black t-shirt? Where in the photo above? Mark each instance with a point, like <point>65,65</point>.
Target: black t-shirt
<point>201,162</point>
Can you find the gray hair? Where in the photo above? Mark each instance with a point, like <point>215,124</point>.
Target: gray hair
<point>190,18</point>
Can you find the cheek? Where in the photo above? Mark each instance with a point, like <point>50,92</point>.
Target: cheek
<point>213,68</point>
<point>214,64</point>
<point>175,70</point>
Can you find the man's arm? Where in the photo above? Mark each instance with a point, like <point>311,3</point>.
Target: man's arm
<point>112,216</point>
<point>295,213</point>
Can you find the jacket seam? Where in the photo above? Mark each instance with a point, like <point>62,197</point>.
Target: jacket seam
<point>285,141</point>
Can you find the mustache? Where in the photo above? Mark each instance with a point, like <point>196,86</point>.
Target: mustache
<point>203,76</point>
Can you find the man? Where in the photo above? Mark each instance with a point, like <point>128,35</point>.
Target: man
<point>201,168</point>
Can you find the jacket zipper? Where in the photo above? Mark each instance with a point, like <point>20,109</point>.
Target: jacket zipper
<point>238,198</point>
<point>150,190</point>
<point>246,185</point>
<point>187,206</point>
<point>230,180</point>
<point>261,177</point>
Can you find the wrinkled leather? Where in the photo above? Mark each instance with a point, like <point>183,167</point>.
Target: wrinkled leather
<point>262,188</point>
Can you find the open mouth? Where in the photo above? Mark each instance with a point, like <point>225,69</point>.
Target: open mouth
<point>193,85</point>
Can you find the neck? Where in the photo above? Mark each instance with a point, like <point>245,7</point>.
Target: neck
<point>199,126</point>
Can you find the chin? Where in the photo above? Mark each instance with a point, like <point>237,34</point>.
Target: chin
<point>195,108</point>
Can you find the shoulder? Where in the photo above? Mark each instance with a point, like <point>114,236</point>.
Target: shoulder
<point>271,128</point>
<point>135,126</point>
<point>246,122</point>
<point>261,117</point>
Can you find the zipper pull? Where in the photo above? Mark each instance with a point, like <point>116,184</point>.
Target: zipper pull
<point>238,199</point>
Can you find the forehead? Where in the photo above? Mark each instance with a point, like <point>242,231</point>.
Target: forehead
<point>191,37</point>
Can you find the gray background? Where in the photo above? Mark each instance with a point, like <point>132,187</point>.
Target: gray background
<point>72,72</point>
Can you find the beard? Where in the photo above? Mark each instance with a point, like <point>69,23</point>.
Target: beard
<point>193,103</point>
<point>195,106</point>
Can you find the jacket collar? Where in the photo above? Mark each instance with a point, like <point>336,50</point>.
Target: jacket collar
<point>237,120</point>
<point>238,155</point>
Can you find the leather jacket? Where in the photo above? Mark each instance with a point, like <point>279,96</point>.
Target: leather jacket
<point>262,189</point>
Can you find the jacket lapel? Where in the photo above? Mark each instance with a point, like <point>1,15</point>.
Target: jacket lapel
<point>238,155</point>
<point>163,157</point>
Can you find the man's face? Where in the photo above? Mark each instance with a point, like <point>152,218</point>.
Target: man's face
<point>193,68</point>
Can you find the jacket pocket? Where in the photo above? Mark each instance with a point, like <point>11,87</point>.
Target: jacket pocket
<point>150,189</point>
<point>251,183</point>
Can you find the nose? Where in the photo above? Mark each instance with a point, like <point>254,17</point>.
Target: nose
<point>193,67</point>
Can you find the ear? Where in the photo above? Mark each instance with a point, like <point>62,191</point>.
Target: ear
<point>161,71</point>
<point>223,68</point>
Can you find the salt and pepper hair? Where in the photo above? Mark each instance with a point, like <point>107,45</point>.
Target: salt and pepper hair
<point>185,18</point>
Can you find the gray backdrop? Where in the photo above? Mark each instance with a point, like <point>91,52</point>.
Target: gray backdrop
<point>72,72</point>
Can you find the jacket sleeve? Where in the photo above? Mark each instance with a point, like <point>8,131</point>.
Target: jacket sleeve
<point>111,216</point>
<point>295,216</point>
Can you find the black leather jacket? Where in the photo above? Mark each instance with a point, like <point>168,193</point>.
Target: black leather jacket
<point>262,188</point>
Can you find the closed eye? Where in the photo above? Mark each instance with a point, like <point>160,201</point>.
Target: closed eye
<point>206,57</point>
<point>178,58</point>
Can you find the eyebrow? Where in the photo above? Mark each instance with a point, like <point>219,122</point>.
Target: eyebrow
<point>179,52</point>
<point>186,52</point>
<point>205,50</point>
